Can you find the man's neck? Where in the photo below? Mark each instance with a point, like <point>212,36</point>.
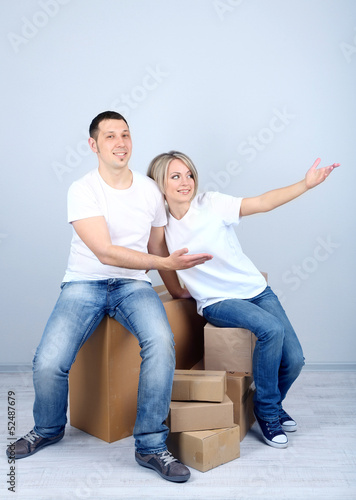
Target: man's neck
<point>120,179</point>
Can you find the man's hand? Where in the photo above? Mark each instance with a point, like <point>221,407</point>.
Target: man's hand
<point>179,260</point>
<point>316,176</point>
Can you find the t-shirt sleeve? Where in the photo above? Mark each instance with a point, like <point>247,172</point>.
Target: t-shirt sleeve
<point>227,206</point>
<point>82,203</point>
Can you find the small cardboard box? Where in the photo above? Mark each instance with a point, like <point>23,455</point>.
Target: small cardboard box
<point>204,450</point>
<point>198,385</point>
<point>198,416</point>
<point>103,380</point>
<point>240,390</point>
<point>229,349</point>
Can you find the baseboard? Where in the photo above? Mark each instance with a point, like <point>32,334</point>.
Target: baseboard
<point>18,368</point>
<point>330,367</point>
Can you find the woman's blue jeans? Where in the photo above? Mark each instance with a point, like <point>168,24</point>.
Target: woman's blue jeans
<point>278,357</point>
<point>80,308</point>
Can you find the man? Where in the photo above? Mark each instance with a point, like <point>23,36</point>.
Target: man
<point>118,217</point>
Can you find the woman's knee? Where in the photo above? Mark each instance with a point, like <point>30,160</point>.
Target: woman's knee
<point>296,364</point>
<point>271,331</point>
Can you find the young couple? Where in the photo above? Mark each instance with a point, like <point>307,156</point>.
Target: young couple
<point>119,229</point>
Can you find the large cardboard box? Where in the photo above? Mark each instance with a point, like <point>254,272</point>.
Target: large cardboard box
<point>103,380</point>
<point>198,385</point>
<point>240,389</point>
<point>204,450</point>
<point>229,349</point>
<point>197,416</point>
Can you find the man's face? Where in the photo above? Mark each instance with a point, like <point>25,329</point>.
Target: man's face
<point>113,144</point>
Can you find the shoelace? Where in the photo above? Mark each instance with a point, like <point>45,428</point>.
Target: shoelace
<point>274,427</point>
<point>167,457</point>
<point>31,436</point>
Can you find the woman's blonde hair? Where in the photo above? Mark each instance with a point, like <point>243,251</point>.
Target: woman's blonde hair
<point>158,169</point>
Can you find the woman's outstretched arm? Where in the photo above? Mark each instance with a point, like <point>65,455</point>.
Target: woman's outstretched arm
<point>277,197</point>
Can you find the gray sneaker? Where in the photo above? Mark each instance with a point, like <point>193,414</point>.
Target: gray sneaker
<point>30,444</point>
<point>166,465</point>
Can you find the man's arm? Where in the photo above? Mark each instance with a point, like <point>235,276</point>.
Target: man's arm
<point>94,232</point>
<point>277,197</point>
<point>157,245</point>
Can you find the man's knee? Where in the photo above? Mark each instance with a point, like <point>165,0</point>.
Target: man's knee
<point>160,342</point>
<point>44,365</point>
<point>159,346</point>
<point>50,361</point>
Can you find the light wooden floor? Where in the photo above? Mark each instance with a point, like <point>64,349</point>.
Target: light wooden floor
<point>319,464</point>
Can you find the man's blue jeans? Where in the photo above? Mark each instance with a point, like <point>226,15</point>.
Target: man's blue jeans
<point>80,308</point>
<point>278,357</point>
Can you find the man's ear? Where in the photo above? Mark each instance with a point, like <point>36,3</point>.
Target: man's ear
<point>92,144</point>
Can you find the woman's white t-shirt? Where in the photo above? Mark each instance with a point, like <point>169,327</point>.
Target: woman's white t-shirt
<point>129,213</point>
<point>208,227</point>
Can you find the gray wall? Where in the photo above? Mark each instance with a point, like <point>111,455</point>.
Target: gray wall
<point>254,91</point>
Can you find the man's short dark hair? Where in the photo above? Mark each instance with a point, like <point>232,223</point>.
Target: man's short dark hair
<point>105,115</point>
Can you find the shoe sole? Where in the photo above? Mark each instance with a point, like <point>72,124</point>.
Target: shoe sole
<point>175,479</point>
<point>273,444</point>
<point>289,428</point>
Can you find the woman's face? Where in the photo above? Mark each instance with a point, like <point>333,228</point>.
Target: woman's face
<point>179,183</point>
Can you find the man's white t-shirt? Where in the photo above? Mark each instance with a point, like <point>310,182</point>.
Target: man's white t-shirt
<point>129,213</point>
<point>208,226</point>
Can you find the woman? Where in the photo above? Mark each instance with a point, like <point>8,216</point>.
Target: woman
<point>229,290</point>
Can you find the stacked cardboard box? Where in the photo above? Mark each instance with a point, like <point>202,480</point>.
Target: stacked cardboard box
<point>201,420</point>
<point>229,349</point>
<point>240,388</point>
